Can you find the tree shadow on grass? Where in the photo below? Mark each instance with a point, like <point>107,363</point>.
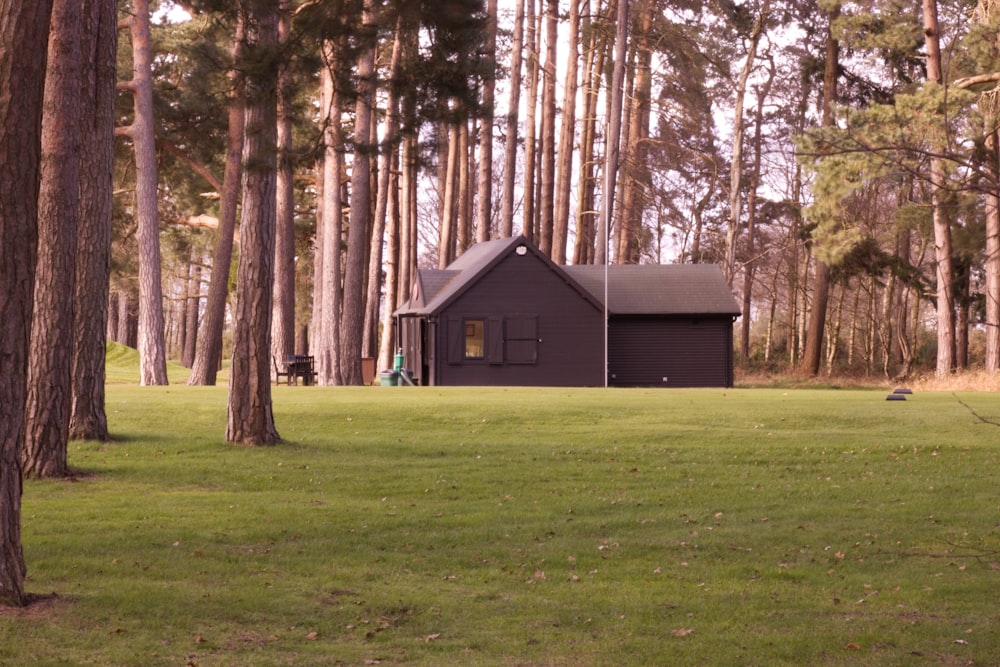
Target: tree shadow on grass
<point>37,605</point>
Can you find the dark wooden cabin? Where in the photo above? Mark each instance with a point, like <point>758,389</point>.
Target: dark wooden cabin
<point>502,314</point>
<point>505,314</point>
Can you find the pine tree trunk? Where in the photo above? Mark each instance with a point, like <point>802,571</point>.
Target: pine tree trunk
<point>208,354</point>
<point>111,330</point>
<point>616,99</point>
<point>962,315</point>
<point>386,222</point>
<point>548,163</point>
<point>992,291</point>
<point>513,114</point>
<point>586,213</point>
<point>484,182</point>
<point>464,237</point>
<point>375,250</point>
<point>945,273</point>
<point>637,177</point>
<point>736,168</point>
<point>407,214</point>
<point>283,318</point>
<point>251,420</point>
<point>449,223</point>
<point>24,33</point>
<point>750,265</point>
<point>409,165</point>
<point>88,420</point>
<point>989,103</point>
<point>567,138</point>
<point>152,346</point>
<point>192,309</point>
<point>393,261</point>
<point>530,133</point>
<point>359,232</point>
<point>812,354</point>
<point>326,336</point>
<point>51,346</point>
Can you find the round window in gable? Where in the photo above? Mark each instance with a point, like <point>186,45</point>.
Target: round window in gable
<point>521,250</point>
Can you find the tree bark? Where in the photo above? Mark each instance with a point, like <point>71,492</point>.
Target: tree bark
<point>283,318</point>
<point>88,419</point>
<point>192,309</point>
<point>750,265</point>
<point>209,351</point>
<point>613,137</point>
<point>567,138</point>
<point>812,355</point>
<point>152,347</point>
<point>484,182</point>
<point>449,222</point>
<point>51,346</point>
<point>359,232</point>
<point>393,262</point>
<point>989,103</point>
<point>24,34</point>
<point>463,189</point>
<point>548,162</point>
<point>586,213</point>
<point>327,283</point>
<point>409,165</point>
<point>386,220</point>
<point>513,114</point>
<point>637,179</point>
<point>251,419</point>
<point>736,168</point>
<point>128,319</point>
<point>944,272</point>
<point>992,361</point>
<point>530,132</point>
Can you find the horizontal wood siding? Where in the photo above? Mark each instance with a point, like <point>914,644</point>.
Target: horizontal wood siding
<point>670,352</point>
<point>519,289</point>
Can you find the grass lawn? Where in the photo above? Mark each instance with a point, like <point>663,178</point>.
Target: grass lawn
<point>491,526</point>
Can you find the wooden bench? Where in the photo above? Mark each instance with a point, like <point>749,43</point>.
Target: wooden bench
<point>279,373</point>
<point>295,367</point>
<point>302,366</point>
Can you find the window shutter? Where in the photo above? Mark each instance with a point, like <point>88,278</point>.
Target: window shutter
<point>494,339</point>
<point>522,339</point>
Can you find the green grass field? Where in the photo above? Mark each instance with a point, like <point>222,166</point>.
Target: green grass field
<point>490,526</point>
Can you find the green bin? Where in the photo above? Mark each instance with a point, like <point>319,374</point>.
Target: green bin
<point>388,378</point>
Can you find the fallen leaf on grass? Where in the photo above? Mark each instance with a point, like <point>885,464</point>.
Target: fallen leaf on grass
<point>853,647</point>
<point>312,635</point>
<point>681,632</point>
<point>431,637</point>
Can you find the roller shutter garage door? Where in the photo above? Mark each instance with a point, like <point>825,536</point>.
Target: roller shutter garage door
<point>670,352</point>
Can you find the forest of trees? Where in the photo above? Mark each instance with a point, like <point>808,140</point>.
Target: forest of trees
<point>247,179</point>
<point>837,162</point>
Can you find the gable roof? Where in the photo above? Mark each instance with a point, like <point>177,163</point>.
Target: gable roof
<point>659,289</point>
<point>434,289</point>
<point>633,289</point>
